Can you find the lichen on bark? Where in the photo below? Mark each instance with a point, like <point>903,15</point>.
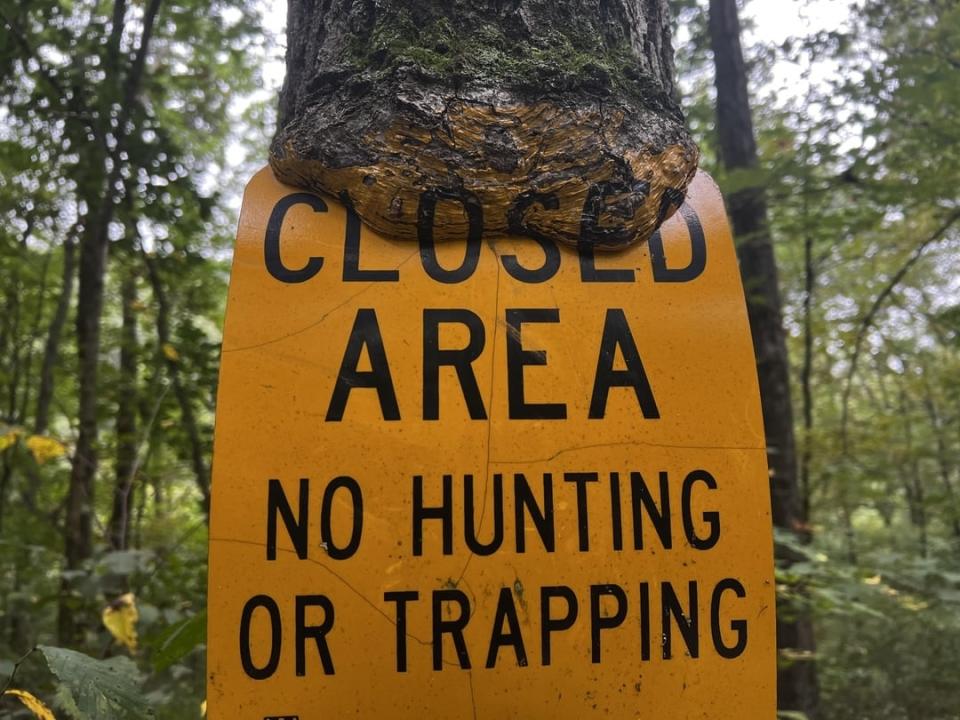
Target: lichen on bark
<point>552,118</point>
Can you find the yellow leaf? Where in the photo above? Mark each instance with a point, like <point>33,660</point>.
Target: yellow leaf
<point>170,352</point>
<point>203,709</point>
<point>120,618</point>
<point>9,438</point>
<point>32,704</point>
<point>45,448</point>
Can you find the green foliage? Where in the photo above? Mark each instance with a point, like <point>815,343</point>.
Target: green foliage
<point>180,639</point>
<point>97,689</point>
<point>75,139</point>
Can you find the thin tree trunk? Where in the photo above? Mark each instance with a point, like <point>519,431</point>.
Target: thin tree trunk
<point>51,350</point>
<point>913,482</point>
<point>797,681</point>
<point>187,416</point>
<point>13,306</point>
<point>943,464</point>
<point>806,372</point>
<point>32,338</point>
<point>127,402</point>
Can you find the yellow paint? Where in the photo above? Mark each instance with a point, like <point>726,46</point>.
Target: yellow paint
<point>283,348</point>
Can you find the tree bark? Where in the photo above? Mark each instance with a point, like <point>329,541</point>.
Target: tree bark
<point>797,680</point>
<point>481,118</point>
<point>127,406</point>
<point>51,350</point>
<point>187,416</point>
<point>806,368</point>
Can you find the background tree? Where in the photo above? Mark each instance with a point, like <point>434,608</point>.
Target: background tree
<point>747,206</point>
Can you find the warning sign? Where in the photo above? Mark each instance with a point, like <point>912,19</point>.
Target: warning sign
<point>486,480</point>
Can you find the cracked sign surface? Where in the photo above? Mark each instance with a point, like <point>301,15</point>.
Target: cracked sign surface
<point>476,480</point>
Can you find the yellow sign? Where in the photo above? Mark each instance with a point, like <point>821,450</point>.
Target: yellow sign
<point>486,481</point>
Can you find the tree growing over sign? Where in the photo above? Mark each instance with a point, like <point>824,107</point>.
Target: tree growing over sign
<point>465,118</point>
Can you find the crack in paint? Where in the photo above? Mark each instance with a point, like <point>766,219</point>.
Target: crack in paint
<point>625,443</point>
<point>323,317</point>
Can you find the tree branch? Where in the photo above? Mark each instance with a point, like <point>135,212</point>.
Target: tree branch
<point>868,319</point>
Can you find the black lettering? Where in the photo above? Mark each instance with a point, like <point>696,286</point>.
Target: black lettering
<point>453,627</point>
<point>276,637</point>
<point>516,225</point>
<point>351,256</point>
<point>659,516</point>
<point>428,252</point>
<point>687,622</point>
<point>471,525</point>
<point>318,633</point>
<point>365,333</point>
<point>271,241</point>
<point>296,527</point>
<point>738,626</point>
<point>444,514</point>
<point>616,333</point>
<point>698,252</point>
<point>644,621</point>
<point>671,198</point>
<point>616,512</point>
<point>506,611</point>
<point>401,598</point>
<point>550,624</point>
<point>599,622</point>
<point>583,518</point>
<point>542,517</point>
<point>326,511</point>
<point>518,358</point>
<point>711,518</point>
<point>618,234</point>
<point>459,360</point>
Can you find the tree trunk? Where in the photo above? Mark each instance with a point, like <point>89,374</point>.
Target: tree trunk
<point>78,529</point>
<point>797,681</point>
<point>197,450</point>
<point>127,404</point>
<point>943,463</point>
<point>480,118</point>
<point>51,350</point>
<point>806,371</point>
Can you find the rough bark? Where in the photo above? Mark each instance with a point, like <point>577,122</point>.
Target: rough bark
<point>443,120</point>
<point>797,680</point>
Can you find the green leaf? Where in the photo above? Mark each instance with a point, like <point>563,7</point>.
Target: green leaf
<point>179,640</point>
<point>97,689</point>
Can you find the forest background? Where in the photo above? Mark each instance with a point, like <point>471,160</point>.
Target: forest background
<point>131,126</point>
